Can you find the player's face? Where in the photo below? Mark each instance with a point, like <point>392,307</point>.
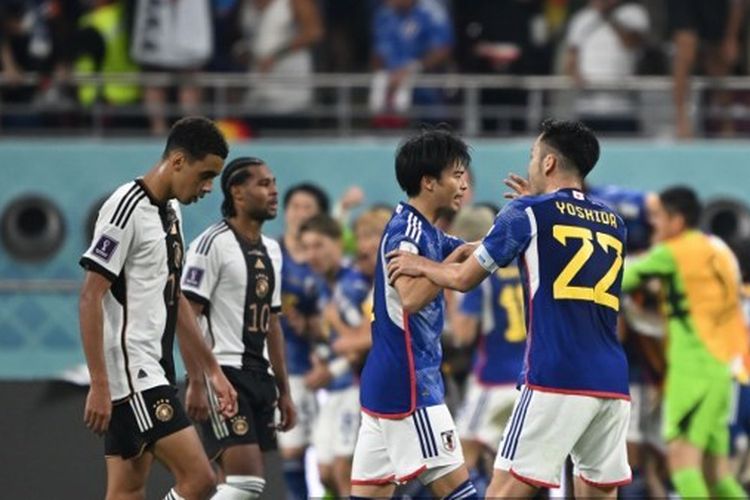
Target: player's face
<point>301,207</point>
<point>259,196</point>
<point>368,240</point>
<point>321,252</point>
<point>537,183</point>
<point>194,180</point>
<point>665,225</point>
<point>451,187</point>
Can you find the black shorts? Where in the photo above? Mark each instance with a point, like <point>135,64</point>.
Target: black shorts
<point>707,18</point>
<point>254,422</point>
<point>141,420</point>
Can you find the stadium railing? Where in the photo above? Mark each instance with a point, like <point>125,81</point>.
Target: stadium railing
<point>340,103</point>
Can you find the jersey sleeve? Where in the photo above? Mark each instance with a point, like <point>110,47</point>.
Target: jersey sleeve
<point>202,270</point>
<point>402,238</point>
<point>508,237</point>
<point>114,233</point>
<point>470,303</point>
<point>658,262</point>
<point>278,261</point>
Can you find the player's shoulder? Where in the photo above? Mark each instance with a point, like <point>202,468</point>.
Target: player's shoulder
<point>118,209</point>
<point>272,247</point>
<point>205,241</point>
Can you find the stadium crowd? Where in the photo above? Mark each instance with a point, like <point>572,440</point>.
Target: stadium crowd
<point>591,41</point>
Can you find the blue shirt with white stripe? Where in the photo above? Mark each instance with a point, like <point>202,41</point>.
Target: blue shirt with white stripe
<point>402,370</point>
<point>497,303</point>
<point>570,250</point>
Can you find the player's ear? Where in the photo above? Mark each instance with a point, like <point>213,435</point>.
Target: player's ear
<point>428,182</point>
<point>549,163</point>
<point>177,159</point>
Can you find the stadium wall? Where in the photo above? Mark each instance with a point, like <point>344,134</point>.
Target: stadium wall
<point>39,330</point>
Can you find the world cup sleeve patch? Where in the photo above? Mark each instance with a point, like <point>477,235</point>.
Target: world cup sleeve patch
<point>194,276</point>
<point>105,247</point>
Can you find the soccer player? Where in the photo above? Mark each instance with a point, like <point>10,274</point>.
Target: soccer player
<point>300,323</point>
<point>706,330</point>
<point>494,312</point>
<point>574,384</point>
<point>344,289</point>
<point>233,278</point>
<point>130,306</point>
<point>407,431</point>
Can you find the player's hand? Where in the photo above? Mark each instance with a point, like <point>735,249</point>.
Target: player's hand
<point>98,410</point>
<point>518,184</point>
<point>352,198</point>
<point>319,376</point>
<point>196,400</point>
<point>331,314</point>
<point>288,413</point>
<point>225,393</point>
<point>401,263</point>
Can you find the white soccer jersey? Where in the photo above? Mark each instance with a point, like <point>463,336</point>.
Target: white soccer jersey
<point>239,283</point>
<point>138,246</point>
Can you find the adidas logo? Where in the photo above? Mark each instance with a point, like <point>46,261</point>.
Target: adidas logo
<point>259,264</point>
<point>142,373</point>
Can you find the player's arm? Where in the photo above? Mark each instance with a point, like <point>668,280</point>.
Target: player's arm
<point>658,262</point>
<point>199,359</point>
<point>275,340</point>
<point>462,276</point>
<point>98,402</point>
<point>416,289</point>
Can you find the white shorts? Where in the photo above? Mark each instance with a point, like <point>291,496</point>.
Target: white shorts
<point>546,427</point>
<point>424,445</point>
<point>307,409</point>
<point>646,416</point>
<point>336,429</point>
<point>485,411</point>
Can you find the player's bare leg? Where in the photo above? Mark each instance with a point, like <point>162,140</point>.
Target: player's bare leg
<point>126,479</point>
<point>373,490</point>
<point>504,485</point>
<point>325,472</point>
<point>583,489</point>
<point>445,485</point>
<point>182,453</point>
<point>242,471</point>
<point>342,473</point>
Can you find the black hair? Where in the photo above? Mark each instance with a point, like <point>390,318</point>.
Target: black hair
<point>682,200</point>
<point>322,224</point>
<point>235,173</point>
<point>321,198</point>
<point>197,137</point>
<point>574,141</point>
<point>428,153</point>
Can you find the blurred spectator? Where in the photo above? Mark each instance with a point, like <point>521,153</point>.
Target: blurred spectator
<point>171,36</point>
<point>410,37</point>
<point>226,32</point>
<point>503,37</point>
<point>25,46</point>
<point>603,43</point>
<point>278,39</point>
<point>346,45</point>
<point>102,47</point>
<point>715,25</point>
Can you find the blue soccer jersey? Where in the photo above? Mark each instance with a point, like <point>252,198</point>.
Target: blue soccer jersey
<point>402,370</point>
<point>630,204</point>
<point>497,303</point>
<point>299,295</point>
<point>570,252</point>
<point>349,295</point>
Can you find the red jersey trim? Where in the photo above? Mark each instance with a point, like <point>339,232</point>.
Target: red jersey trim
<point>607,485</point>
<point>412,380</point>
<point>411,476</point>
<point>374,482</point>
<point>574,392</point>
<point>532,482</point>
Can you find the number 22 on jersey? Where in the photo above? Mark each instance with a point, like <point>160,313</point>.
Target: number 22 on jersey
<point>562,289</point>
